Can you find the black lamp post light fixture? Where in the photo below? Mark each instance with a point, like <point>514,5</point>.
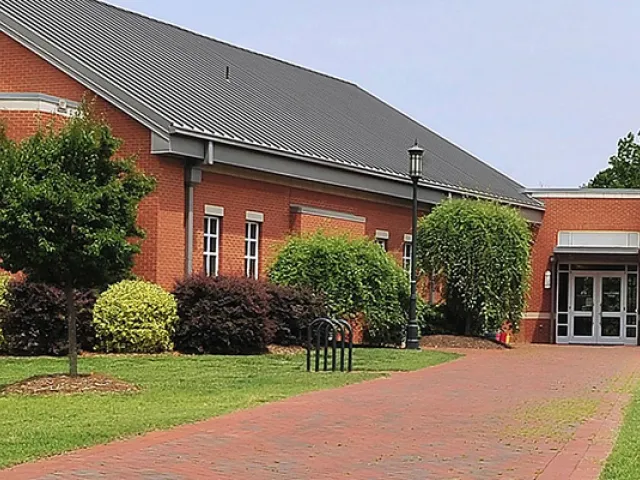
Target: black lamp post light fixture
<point>416,160</point>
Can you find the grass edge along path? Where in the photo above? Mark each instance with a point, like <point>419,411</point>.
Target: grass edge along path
<point>624,461</point>
<point>175,390</point>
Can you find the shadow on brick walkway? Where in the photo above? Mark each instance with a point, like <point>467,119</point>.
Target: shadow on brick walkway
<point>492,414</point>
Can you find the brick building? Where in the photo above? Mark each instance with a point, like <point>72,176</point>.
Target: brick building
<point>585,268</point>
<point>248,149</point>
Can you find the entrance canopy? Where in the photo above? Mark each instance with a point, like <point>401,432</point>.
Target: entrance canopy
<point>598,243</point>
<point>597,287</point>
<point>597,247</point>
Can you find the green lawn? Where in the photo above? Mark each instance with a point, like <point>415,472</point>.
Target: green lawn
<point>624,461</point>
<point>175,390</point>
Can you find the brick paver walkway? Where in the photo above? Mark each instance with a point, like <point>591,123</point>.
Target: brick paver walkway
<point>475,418</point>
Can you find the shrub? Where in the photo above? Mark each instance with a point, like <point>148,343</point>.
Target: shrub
<point>135,317</point>
<point>356,277</point>
<point>34,323</point>
<point>223,315</point>
<point>291,310</point>
<point>434,320</point>
<point>480,251</point>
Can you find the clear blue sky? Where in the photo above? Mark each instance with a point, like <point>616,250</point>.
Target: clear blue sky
<point>541,90</point>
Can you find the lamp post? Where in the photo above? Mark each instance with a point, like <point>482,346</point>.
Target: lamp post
<point>416,154</point>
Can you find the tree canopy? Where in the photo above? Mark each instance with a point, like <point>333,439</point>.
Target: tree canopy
<point>624,167</point>
<point>68,208</point>
<point>480,252</point>
<point>356,277</point>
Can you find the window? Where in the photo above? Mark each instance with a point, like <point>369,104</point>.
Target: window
<point>211,245</point>
<point>382,242</point>
<point>382,239</point>
<point>406,256</point>
<point>252,249</point>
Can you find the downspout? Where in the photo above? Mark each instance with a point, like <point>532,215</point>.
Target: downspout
<point>193,176</point>
<point>554,279</point>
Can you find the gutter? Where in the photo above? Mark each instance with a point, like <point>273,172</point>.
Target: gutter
<point>202,135</point>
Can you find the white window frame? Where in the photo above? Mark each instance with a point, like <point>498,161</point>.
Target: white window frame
<point>248,258</point>
<point>208,236</point>
<point>406,256</point>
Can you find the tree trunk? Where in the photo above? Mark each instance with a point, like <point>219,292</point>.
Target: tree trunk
<point>69,293</point>
<point>467,326</point>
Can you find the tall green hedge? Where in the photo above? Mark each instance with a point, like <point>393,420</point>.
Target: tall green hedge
<point>480,251</point>
<point>356,277</point>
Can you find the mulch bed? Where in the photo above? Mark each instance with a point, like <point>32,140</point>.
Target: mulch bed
<point>66,385</point>
<point>279,350</point>
<point>455,341</point>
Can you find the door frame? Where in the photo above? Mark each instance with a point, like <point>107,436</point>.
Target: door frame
<point>596,313</point>
<point>591,339</point>
<point>621,315</point>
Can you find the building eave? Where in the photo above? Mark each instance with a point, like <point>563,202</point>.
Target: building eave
<point>427,184</point>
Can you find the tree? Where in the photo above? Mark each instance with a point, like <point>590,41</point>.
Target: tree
<point>480,252</point>
<point>624,167</point>
<point>355,276</point>
<point>68,209</point>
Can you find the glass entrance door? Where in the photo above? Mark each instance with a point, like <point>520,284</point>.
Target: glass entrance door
<point>611,308</point>
<point>582,309</point>
<point>597,309</point>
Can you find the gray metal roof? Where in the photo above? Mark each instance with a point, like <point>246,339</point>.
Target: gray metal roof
<point>175,80</point>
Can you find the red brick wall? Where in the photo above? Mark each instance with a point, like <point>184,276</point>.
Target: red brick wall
<point>162,259</point>
<point>380,215</point>
<point>570,214</point>
<point>238,194</point>
<point>307,223</point>
<point>23,124</point>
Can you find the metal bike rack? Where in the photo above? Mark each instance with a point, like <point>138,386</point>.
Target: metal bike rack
<point>324,332</point>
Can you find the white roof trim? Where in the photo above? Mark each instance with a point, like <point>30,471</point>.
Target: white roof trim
<point>37,102</point>
<point>584,193</point>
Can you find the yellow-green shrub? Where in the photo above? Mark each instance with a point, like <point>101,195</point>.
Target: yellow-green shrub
<point>135,317</point>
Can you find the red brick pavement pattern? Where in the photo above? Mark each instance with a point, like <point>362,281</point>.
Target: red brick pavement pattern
<point>446,422</point>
